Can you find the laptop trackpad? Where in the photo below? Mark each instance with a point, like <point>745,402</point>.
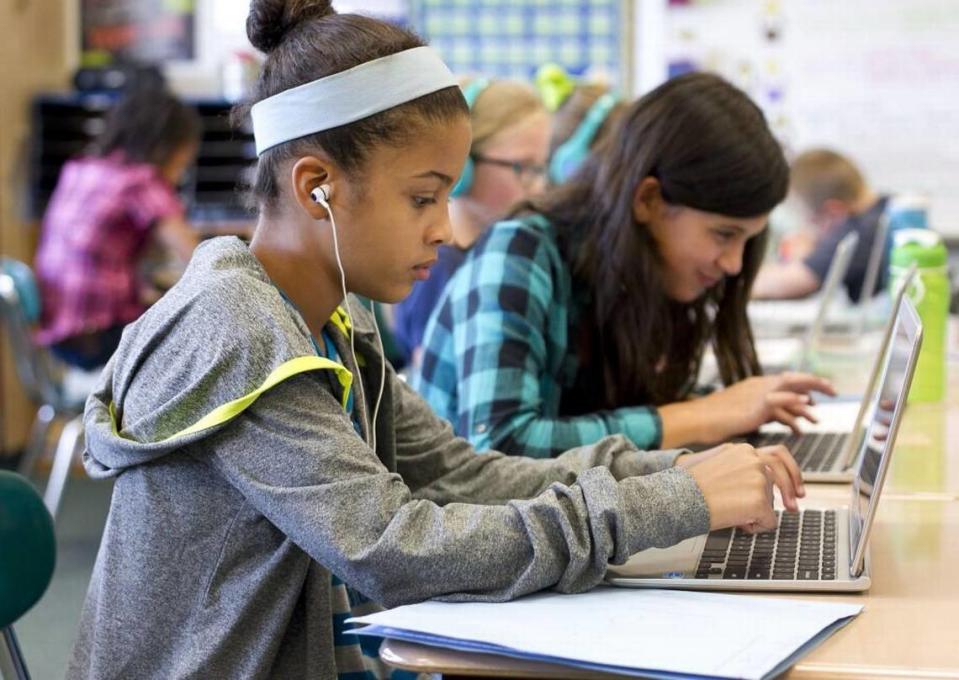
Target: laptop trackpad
<point>680,559</point>
<point>833,416</point>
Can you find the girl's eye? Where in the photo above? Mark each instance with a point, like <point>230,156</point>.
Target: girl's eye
<point>724,235</point>
<point>423,201</point>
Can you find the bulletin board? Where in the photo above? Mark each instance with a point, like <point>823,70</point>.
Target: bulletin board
<point>512,38</point>
<point>875,79</point>
<point>145,30</point>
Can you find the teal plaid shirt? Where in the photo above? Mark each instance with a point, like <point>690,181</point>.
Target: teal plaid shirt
<point>499,350</point>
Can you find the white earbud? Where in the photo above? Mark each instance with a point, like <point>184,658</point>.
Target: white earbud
<point>321,195</point>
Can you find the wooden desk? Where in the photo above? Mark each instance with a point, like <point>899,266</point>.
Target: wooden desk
<point>925,464</point>
<point>926,459</point>
<point>909,628</point>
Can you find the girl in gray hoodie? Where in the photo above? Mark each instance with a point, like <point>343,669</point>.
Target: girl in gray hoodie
<point>273,475</point>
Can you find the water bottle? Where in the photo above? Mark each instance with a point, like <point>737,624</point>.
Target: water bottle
<point>930,294</point>
<point>908,211</point>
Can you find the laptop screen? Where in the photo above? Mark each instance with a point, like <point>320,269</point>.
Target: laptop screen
<point>876,432</point>
<point>834,279</point>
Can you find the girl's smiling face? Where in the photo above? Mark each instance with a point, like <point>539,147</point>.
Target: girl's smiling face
<point>697,250</point>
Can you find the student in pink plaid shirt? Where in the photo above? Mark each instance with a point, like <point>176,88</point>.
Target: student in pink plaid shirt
<point>103,213</point>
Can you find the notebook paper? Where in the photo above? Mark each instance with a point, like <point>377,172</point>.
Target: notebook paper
<point>662,633</point>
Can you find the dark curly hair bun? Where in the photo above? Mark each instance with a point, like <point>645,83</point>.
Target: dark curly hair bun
<point>270,20</point>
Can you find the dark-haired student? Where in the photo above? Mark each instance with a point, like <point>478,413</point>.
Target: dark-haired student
<point>107,207</point>
<point>273,475</point>
<point>588,313</point>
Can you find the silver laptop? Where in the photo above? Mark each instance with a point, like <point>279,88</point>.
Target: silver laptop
<point>815,550</point>
<point>828,455</point>
<point>779,318</point>
<point>796,320</point>
<point>838,269</point>
<point>870,282</point>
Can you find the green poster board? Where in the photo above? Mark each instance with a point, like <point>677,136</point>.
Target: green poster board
<point>512,38</point>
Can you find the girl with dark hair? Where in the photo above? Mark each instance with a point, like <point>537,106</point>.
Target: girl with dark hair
<point>588,314</point>
<point>273,475</point>
<point>106,208</point>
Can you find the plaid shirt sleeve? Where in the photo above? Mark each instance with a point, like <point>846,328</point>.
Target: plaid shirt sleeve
<point>505,320</point>
<point>152,199</point>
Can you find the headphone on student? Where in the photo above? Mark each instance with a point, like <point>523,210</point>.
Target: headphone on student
<point>570,154</point>
<point>321,195</point>
<point>471,92</point>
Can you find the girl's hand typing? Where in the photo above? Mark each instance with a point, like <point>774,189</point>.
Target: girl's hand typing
<point>736,481</point>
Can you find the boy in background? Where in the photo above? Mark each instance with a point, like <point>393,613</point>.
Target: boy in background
<point>836,201</point>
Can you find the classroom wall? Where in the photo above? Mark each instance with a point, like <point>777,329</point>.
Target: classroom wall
<point>34,55</point>
<point>221,32</point>
<point>877,79</point>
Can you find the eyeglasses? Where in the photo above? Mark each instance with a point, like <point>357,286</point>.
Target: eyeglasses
<point>526,173</point>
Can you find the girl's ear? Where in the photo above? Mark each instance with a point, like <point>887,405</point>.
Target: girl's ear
<point>647,200</point>
<point>308,173</point>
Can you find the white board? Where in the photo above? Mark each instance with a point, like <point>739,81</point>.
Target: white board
<point>875,79</point>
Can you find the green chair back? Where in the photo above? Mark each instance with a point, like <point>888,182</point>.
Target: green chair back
<point>26,286</point>
<point>27,547</point>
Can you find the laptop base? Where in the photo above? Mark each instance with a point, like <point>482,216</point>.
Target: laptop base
<point>684,565</point>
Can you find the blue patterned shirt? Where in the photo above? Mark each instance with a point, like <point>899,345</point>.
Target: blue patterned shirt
<point>499,352</point>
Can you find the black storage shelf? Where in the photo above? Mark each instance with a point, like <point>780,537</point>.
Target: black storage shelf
<point>64,125</point>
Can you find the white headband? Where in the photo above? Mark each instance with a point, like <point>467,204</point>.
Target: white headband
<point>348,96</point>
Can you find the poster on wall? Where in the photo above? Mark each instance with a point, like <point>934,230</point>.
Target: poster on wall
<point>513,39</point>
<point>142,30</point>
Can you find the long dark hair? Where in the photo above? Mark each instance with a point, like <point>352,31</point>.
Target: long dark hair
<point>710,149</point>
<point>148,123</point>
<point>306,40</point>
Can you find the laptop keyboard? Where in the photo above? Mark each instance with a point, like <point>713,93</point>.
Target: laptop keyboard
<point>813,451</point>
<point>803,547</point>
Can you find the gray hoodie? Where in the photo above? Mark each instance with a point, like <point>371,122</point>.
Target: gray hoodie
<point>242,485</point>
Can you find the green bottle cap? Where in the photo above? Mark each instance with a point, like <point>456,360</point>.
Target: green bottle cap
<point>922,246</point>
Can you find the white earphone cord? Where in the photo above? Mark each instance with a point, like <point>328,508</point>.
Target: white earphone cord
<point>371,424</point>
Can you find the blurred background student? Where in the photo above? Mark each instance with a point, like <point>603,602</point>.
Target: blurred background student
<point>511,134</point>
<point>833,200</point>
<point>107,208</point>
